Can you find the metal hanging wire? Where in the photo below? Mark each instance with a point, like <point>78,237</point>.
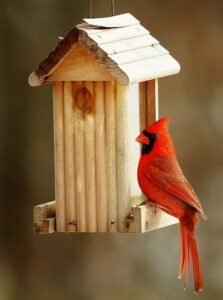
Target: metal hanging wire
<point>113,7</point>
<point>91,7</point>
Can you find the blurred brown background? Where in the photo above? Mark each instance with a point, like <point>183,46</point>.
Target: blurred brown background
<point>103,266</point>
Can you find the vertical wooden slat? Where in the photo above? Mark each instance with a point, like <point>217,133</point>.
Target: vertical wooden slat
<point>90,183</point>
<point>100,156</point>
<point>156,100</point>
<point>79,102</point>
<point>58,112</point>
<point>111,156</point>
<point>122,144</point>
<point>143,105</point>
<point>69,157</point>
<point>152,101</point>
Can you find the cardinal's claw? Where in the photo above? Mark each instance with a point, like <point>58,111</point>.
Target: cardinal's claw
<point>142,203</point>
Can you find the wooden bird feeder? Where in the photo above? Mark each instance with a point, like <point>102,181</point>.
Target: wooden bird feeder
<point>105,91</point>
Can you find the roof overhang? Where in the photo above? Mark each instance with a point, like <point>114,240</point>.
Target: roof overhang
<point>119,44</point>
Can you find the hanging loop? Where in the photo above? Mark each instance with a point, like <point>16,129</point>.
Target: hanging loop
<point>91,7</point>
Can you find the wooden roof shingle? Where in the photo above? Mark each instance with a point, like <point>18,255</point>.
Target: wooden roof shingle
<point>120,44</point>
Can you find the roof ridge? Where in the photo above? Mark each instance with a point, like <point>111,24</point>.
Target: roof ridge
<point>122,20</point>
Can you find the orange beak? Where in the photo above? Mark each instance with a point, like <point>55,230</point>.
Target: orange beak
<point>142,139</point>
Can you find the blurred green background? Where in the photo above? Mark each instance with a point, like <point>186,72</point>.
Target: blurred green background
<point>103,266</point>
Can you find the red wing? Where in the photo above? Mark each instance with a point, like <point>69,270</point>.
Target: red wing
<point>167,173</point>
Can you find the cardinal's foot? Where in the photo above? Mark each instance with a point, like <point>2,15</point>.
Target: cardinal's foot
<point>142,203</point>
<point>153,206</point>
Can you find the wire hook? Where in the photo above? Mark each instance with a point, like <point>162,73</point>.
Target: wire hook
<point>113,7</point>
<point>91,7</point>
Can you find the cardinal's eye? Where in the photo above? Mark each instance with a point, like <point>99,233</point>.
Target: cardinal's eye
<point>151,136</point>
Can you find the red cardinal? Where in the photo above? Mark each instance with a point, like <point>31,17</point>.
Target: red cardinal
<point>162,181</point>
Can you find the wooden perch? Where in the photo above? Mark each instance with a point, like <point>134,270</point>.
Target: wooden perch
<point>146,218</point>
<point>44,218</point>
<point>143,218</point>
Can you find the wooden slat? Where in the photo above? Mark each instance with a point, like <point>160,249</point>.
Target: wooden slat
<point>152,101</point>
<point>143,105</point>
<point>100,157</point>
<point>122,144</point>
<point>138,54</point>
<point>156,99</point>
<point>46,226</point>
<point>111,156</point>
<point>129,44</point>
<point>114,21</point>
<point>133,129</point>
<point>44,211</point>
<point>90,184</point>
<point>151,68</point>
<point>44,217</point>
<point>58,107</point>
<point>79,100</point>
<point>69,157</point>
<point>118,34</point>
<point>79,65</point>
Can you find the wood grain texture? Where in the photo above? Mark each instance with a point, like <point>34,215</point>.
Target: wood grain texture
<point>100,157</point>
<point>122,152</point>
<point>56,56</point>
<point>143,105</point>
<point>110,95</point>
<point>146,218</point>
<point>58,111</point>
<point>44,218</point>
<point>46,226</point>
<point>79,65</point>
<point>79,128</point>
<point>69,157</point>
<point>90,158</point>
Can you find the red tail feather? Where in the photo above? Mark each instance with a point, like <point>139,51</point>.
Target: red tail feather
<point>182,253</point>
<point>189,247</point>
<point>185,255</point>
<point>198,277</point>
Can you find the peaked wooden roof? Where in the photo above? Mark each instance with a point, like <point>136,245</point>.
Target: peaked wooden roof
<point>119,44</point>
